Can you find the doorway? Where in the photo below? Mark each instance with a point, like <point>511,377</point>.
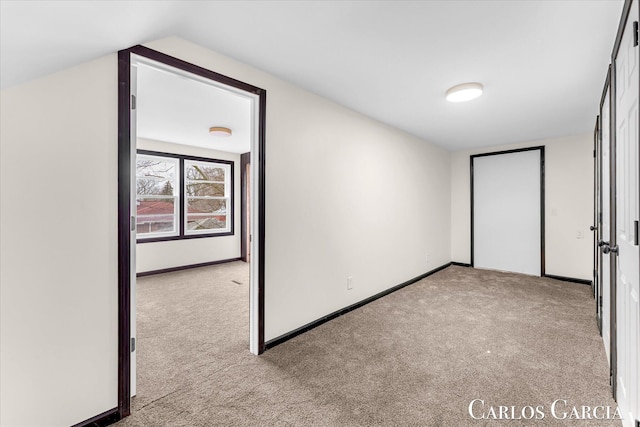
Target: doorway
<point>126,204</point>
<point>507,211</point>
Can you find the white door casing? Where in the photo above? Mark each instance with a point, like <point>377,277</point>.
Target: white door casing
<point>628,256</point>
<point>133,214</point>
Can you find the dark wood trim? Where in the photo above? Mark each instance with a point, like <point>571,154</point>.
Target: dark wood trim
<point>261,170</point>
<point>542,198</point>
<point>598,222</point>
<point>181,227</point>
<point>515,150</point>
<point>124,208</point>
<point>613,271</point>
<point>543,257</point>
<point>286,337</point>
<point>181,202</point>
<point>569,279</point>
<point>460,264</point>
<point>472,240</point>
<point>187,237</point>
<point>605,90</point>
<point>104,419</point>
<point>185,156</point>
<point>124,234</point>
<point>174,62</point>
<point>186,267</point>
<point>626,10</point>
<point>245,159</point>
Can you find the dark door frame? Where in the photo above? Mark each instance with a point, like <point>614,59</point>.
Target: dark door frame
<point>542,197</point>
<point>594,226</point>
<point>598,224</point>
<point>124,203</point>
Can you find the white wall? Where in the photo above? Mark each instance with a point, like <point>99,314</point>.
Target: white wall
<point>345,195</point>
<point>159,255</point>
<point>568,210</point>
<point>58,252</point>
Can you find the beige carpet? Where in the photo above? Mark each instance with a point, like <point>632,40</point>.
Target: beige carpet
<point>417,357</point>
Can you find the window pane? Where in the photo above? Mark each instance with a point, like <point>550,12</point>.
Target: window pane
<point>205,189</point>
<point>146,186</point>
<point>206,206</point>
<point>155,216</point>
<point>206,222</point>
<point>203,172</point>
<point>156,175</point>
<point>156,168</point>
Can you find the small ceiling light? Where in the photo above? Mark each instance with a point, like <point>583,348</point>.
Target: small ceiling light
<point>464,92</point>
<point>219,131</point>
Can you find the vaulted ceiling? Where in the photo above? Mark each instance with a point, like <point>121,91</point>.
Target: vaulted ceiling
<point>543,63</point>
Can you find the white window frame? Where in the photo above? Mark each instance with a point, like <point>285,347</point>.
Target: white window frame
<point>227,196</point>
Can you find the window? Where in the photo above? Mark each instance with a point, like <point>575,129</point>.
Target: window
<point>156,196</point>
<point>181,197</point>
<point>206,197</point>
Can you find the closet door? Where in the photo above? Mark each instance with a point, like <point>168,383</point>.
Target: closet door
<point>624,251</point>
<point>507,204</point>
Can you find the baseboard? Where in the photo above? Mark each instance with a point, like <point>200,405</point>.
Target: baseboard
<point>104,419</point>
<point>568,279</point>
<point>186,267</point>
<point>460,264</point>
<point>286,337</point>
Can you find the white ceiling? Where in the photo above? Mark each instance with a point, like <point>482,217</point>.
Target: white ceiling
<point>543,63</point>
<point>181,110</point>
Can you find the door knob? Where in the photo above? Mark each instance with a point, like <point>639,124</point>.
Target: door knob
<point>612,249</point>
<point>602,243</point>
<point>592,228</point>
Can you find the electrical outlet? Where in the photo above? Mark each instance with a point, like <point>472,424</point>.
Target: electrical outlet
<point>349,283</point>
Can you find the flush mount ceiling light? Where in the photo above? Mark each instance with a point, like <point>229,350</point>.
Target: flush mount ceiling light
<point>219,131</point>
<point>464,92</point>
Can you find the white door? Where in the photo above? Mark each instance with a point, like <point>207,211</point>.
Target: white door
<point>506,204</point>
<point>597,212</point>
<point>605,272</point>
<point>628,257</point>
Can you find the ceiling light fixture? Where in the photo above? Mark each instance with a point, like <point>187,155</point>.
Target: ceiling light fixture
<point>464,92</point>
<point>219,131</point>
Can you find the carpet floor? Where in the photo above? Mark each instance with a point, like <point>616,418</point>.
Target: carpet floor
<point>417,357</point>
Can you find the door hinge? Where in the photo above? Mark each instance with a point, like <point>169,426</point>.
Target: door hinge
<point>635,232</point>
<point>133,223</point>
<point>635,33</point>
<point>133,344</point>
<point>600,301</point>
<point>133,102</point>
